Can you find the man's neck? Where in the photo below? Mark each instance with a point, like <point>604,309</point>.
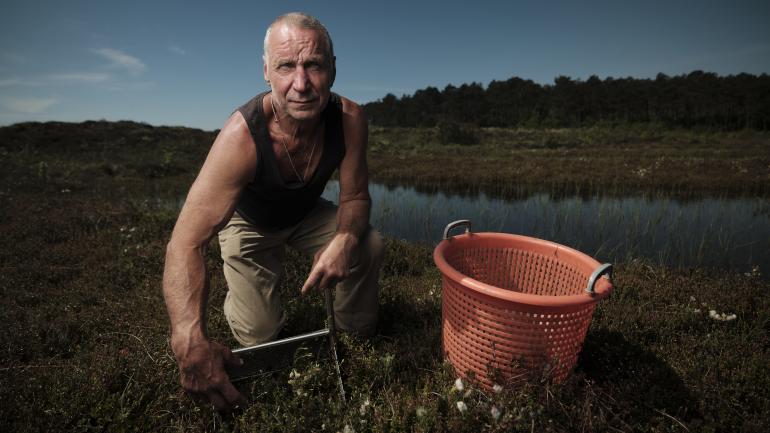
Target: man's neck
<point>299,130</point>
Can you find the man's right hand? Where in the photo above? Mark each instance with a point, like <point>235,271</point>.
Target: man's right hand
<point>202,373</point>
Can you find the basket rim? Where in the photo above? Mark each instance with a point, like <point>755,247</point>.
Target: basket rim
<point>603,286</point>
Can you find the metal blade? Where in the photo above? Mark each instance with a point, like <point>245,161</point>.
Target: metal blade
<point>276,355</point>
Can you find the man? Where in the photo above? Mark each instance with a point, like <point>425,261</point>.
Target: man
<point>260,185</point>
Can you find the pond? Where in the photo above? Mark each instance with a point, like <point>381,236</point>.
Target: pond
<point>725,233</point>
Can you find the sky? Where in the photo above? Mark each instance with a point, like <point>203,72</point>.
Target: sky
<point>191,63</point>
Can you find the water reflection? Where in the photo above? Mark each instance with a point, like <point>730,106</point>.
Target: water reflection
<point>729,233</point>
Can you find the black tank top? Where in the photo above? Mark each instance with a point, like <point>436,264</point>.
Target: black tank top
<point>270,203</point>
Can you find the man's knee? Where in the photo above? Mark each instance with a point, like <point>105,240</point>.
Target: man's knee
<point>251,327</point>
<point>375,247</point>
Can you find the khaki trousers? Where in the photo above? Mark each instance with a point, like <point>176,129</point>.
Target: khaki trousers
<point>253,267</point>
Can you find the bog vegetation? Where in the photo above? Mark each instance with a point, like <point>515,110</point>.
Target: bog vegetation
<point>86,209</point>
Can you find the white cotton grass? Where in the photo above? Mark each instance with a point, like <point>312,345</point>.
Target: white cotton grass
<point>497,388</point>
<point>421,412</point>
<point>495,412</point>
<point>459,385</point>
<point>461,406</point>
<point>722,317</point>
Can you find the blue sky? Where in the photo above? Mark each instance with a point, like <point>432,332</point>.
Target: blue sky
<point>191,63</point>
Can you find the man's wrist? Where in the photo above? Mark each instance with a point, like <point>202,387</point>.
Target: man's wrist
<point>348,240</point>
<point>183,339</point>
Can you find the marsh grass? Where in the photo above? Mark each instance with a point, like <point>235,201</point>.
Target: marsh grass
<point>516,163</point>
<point>85,334</point>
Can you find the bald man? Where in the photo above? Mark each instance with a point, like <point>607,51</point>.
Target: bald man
<point>260,189</point>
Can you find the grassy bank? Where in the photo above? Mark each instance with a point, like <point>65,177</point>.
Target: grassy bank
<point>85,338</point>
<point>638,160</point>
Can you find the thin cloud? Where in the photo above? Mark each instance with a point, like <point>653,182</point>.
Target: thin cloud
<point>57,79</point>
<point>132,85</point>
<point>80,77</point>
<point>28,105</point>
<point>177,50</point>
<point>121,60</point>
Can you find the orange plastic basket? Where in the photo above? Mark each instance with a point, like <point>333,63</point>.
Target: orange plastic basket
<point>515,306</point>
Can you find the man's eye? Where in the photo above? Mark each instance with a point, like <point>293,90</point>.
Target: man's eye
<point>284,67</point>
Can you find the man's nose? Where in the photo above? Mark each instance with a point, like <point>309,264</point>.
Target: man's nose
<point>300,79</point>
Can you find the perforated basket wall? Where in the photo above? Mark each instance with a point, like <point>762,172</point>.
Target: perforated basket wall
<point>514,306</point>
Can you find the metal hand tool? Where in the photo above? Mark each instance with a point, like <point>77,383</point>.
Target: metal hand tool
<point>278,354</point>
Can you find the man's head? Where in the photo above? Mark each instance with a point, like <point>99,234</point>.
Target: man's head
<point>299,65</point>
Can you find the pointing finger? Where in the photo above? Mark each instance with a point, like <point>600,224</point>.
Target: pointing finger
<point>311,281</point>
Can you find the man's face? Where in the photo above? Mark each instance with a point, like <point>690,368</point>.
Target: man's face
<point>299,71</point>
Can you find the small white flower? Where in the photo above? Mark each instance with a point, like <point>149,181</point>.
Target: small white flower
<point>461,406</point>
<point>421,412</point>
<point>722,317</point>
<point>497,389</point>
<point>495,413</point>
<point>459,384</point>
<point>364,406</point>
<point>692,298</point>
<point>348,429</point>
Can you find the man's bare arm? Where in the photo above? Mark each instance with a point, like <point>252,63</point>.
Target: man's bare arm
<point>229,166</point>
<point>332,263</point>
<point>355,203</point>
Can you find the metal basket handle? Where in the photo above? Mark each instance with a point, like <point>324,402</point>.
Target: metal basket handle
<point>458,223</point>
<point>601,270</point>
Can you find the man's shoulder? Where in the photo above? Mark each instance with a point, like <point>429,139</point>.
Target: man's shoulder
<point>252,107</point>
<point>236,131</point>
<point>349,107</point>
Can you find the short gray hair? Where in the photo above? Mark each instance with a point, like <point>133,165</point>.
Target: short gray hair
<point>303,21</point>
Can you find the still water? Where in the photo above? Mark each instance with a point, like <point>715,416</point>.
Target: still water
<point>726,233</point>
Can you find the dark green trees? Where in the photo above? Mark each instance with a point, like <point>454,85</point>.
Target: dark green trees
<point>697,99</point>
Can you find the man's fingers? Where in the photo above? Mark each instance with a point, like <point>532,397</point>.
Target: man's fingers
<point>326,282</point>
<point>230,358</point>
<point>311,281</point>
<point>232,396</point>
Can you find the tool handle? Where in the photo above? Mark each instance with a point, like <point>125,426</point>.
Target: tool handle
<point>333,340</point>
<point>329,310</point>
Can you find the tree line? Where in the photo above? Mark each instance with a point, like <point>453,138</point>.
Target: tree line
<point>697,99</point>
